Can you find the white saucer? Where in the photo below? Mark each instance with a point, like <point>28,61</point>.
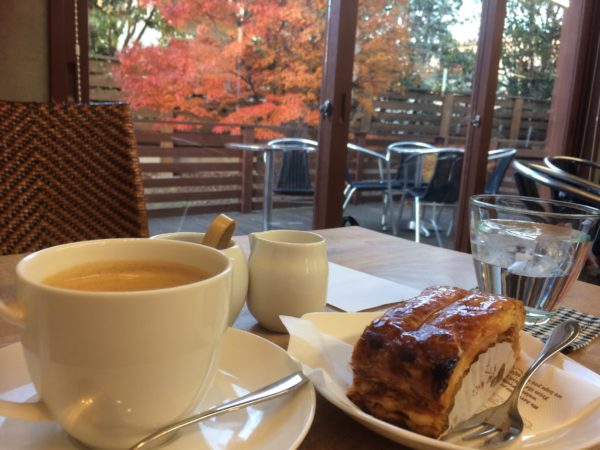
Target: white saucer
<point>247,362</point>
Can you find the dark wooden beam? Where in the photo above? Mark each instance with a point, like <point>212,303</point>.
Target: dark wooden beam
<point>84,50</point>
<point>483,99</point>
<point>591,142</point>
<point>333,129</point>
<point>68,81</point>
<point>570,112</point>
<point>247,171</point>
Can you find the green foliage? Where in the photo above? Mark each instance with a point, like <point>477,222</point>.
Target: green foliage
<point>434,48</point>
<point>530,49</point>
<point>117,24</point>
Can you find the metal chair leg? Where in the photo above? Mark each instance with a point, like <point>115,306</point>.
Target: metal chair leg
<point>451,224</point>
<point>348,198</point>
<point>434,224</point>
<point>402,200</point>
<point>417,220</point>
<point>385,209</point>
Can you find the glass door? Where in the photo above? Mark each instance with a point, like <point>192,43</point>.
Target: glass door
<point>411,82</point>
<point>526,75</point>
<point>513,88</point>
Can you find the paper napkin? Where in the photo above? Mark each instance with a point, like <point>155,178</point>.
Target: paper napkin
<point>352,290</point>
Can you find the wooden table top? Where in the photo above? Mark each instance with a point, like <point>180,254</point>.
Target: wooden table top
<point>388,257</point>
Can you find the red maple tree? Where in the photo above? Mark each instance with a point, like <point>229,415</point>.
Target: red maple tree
<point>258,61</point>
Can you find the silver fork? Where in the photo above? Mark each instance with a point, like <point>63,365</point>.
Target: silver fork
<point>505,419</point>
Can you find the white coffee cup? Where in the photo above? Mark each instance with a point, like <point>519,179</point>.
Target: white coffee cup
<point>111,367</point>
<point>239,270</point>
<point>288,275</point>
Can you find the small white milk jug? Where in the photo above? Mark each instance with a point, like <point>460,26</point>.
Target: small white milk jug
<point>288,272</point>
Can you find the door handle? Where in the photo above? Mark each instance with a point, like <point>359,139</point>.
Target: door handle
<point>326,109</point>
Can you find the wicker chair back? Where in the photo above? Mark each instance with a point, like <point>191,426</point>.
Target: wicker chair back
<point>68,173</point>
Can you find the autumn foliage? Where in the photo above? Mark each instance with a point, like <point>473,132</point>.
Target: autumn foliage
<point>258,61</point>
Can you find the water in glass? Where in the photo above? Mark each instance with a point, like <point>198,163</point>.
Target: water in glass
<point>534,262</point>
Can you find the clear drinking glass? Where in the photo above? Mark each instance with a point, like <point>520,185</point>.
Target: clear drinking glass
<point>530,249</point>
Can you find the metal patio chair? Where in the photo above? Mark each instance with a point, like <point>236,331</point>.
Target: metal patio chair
<point>441,191</point>
<point>578,172</point>
<point>529,175</point>
<point>377,184</point>
<point>405,159</point>
<point>500,159</point>
<point>293,178</point>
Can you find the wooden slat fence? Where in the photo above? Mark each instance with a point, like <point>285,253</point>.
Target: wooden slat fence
<point>423,116</point>
<point>191,171</point>
<point>208,178</point>
<point>187,178</point>
<point>102,84</point>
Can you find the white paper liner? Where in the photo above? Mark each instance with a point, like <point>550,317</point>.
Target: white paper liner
<point>481,381</point>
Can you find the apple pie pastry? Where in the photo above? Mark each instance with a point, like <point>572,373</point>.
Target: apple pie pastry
<point>433,360</point>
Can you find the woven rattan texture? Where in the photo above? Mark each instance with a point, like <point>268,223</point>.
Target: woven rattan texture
<point>68,173</point>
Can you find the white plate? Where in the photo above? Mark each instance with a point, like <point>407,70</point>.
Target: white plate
<point>323,343</point>
<point>247,362</point>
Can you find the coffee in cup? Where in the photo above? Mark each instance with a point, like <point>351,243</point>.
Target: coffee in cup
<point>115,276</point>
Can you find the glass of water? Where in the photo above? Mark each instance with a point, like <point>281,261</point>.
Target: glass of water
<point>530,249</point>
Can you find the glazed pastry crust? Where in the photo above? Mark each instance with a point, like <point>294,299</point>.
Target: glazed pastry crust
<point>408,364</point>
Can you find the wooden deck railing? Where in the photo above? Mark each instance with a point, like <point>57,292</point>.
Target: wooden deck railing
<point>190,171</point>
